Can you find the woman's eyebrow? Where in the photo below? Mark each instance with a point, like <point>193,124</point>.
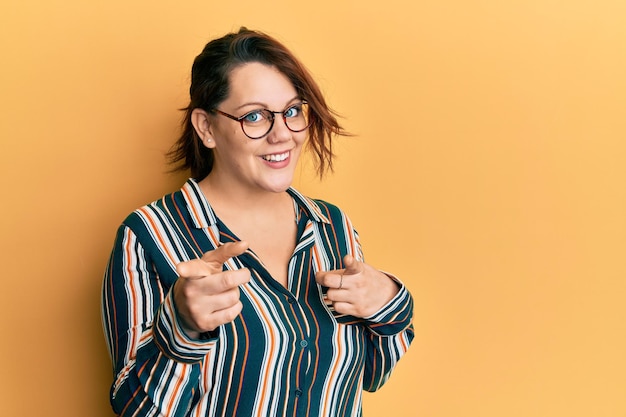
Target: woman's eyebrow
<point>264,105</point>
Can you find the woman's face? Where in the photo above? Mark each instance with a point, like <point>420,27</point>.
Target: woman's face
<point>254,165</point>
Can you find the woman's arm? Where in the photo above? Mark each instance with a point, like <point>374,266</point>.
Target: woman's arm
<point>380,300</point>
<point>156,366</point>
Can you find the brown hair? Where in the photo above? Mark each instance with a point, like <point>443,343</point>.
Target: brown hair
<point>209,87</point>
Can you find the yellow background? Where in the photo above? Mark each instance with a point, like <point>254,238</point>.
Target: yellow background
<point>488,173</point>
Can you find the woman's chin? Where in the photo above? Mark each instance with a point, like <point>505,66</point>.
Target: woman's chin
<point>279,185</point>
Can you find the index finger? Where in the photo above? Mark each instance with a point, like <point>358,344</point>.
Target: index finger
<point>211,262</point>
<point>353,266</point>
<point>328,278</point>
<point>216,258</point>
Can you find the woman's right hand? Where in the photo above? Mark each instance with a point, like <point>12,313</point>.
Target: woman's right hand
<point>205,295</point>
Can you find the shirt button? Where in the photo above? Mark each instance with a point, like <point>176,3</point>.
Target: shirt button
<point>291,300</point>
<point>304,343</point>
<point>298,393</point>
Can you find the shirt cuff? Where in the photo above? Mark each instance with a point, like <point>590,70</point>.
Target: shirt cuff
<point>173,341</point>
<point>395,316</point>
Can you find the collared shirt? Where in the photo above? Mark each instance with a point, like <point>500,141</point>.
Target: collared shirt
<point>287,354</point>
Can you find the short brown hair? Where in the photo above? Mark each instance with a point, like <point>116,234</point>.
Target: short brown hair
<point>210,87</point>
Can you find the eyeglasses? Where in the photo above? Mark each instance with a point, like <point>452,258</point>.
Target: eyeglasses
<point>258,123</point>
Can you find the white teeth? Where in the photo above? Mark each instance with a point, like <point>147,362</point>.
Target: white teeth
<point>276,158</point>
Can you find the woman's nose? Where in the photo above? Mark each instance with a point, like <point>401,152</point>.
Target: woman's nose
<point>279,132</point>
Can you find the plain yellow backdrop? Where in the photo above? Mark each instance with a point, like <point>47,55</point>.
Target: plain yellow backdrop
<point>488,172</point>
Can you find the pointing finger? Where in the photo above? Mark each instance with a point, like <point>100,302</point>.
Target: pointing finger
<point>216,258</point>
<point>193,269</point>
<point>211,262</point>
<point>327,278</point>
<point>353,266</point>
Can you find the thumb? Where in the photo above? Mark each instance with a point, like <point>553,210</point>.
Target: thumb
<point>216,258</point>
<point>352,266</point>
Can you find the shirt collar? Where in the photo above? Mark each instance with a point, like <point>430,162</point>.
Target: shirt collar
<point>203,216</point>
<point>309,206</point>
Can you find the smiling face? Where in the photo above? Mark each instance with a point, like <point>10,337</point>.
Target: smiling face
<point>253,165</point>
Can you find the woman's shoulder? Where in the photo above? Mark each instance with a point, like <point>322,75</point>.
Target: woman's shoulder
<point>170,205</point>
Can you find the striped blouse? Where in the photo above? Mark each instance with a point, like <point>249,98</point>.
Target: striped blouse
<point>287,354</point>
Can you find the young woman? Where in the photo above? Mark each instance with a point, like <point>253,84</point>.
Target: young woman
<point>237,295</point>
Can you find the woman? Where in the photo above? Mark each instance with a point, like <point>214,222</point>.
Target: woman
<point>237,295</point>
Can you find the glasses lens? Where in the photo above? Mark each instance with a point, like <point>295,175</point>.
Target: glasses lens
<point>297,117</point>
<point>257,123</point>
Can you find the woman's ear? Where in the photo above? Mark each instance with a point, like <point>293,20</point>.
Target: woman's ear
<point>202,124</point>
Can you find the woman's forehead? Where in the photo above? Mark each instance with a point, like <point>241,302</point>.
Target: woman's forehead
<point>257,83</point>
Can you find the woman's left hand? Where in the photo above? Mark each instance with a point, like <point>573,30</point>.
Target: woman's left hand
<point>358,290</point>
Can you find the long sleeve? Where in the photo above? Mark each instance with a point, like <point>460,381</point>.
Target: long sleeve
<point>391,333</point>
<point>156,367</point>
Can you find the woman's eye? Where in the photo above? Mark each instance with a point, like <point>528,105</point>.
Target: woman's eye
<point>292,111</point>
<point>253,117</point>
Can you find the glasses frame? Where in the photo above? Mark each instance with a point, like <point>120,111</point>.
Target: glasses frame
<point>272,119</point>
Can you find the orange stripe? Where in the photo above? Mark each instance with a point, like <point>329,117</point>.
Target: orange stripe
<point>175,393</point>
<point>186,225</point>
<point>270,358</point>
<point>130,401</point>
<point>332,227</point>
<point>191,206</point>
<point>374,362</point>
<point>350,233</point>
<point>335,370</point>
<point>133,293</point>
<point>243,367</point>
<point>215,239</point>
<point>160,238</point>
